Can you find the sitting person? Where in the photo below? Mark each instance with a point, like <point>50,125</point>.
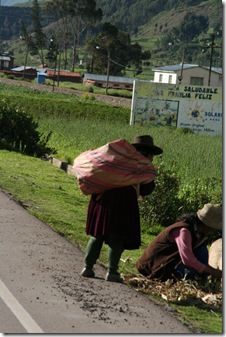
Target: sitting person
<point>180,250</point>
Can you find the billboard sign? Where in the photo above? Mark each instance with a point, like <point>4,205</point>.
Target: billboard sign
<point>181,106</point>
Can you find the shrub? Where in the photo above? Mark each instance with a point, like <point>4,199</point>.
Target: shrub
<point>163,205</point>
<point>91,89</point>
<point>18,132</point>
<point>200,192</point>
<point>89,96</point>
<point>171,198</point>
<point>10,77</point>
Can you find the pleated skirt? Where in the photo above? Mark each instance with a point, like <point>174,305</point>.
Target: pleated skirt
<point>116,212</point>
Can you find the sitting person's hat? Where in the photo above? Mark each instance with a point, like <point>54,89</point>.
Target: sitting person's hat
<point>146,143</point>
<point>211,216</point>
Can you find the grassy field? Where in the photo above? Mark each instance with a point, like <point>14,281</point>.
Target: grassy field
<point>78,124</point>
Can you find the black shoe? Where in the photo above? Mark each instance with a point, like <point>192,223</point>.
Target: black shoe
<point>87,272</point>
<point>114,277</point>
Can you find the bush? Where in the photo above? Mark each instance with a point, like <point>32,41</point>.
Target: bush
<point>18,132</point>
<point>10,77</point>
<point>171,198</point>
<point>200,192</point>
<point>163,205</point>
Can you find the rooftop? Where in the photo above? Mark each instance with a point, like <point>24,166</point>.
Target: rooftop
<point>176,67</point>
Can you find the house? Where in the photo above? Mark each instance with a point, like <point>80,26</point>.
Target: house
<point>26,72</point>
<point>64,75</point>
<point>6,61</point>
<point>114,82</point>
<point>191,74</point>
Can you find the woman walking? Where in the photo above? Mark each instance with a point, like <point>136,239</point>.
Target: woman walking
<point>113,216</point>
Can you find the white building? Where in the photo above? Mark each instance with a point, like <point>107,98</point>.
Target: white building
<point>191,74</point>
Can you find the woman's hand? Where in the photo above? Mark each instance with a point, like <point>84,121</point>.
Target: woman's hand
<point>217,273</point>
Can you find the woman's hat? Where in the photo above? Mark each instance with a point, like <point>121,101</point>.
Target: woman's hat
<point>211,216</point>
<point>146,143</point>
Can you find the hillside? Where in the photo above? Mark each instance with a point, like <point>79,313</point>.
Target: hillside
<point>134,15</point>
<point>168,19</point>
<point>150,16</point>
<point>147,21</point>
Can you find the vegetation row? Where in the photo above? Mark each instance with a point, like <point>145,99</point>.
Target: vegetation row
<point>38,123</point>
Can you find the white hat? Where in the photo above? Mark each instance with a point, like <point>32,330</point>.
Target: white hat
<point>211,216</point>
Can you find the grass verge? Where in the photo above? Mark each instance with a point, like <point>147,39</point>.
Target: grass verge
<point>53,196</point>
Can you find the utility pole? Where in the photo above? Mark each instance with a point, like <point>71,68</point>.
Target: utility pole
<point>108,72</point>
<point>211,58</point>
<point>212,46</point>
<point>108,66</point>
<point>182,67</point>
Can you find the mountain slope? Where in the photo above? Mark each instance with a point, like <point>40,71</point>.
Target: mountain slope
<point>147,21</point>
<point>131,15</point>
<point>150,16</point>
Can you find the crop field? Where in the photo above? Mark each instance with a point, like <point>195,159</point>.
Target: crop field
<point>81,123</point>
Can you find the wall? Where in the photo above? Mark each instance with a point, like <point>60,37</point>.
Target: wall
<point>202,72</point>
<point>216,79</point>
<point>165,77</point>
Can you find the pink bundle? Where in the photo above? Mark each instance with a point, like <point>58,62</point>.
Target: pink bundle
<point>113,165</point>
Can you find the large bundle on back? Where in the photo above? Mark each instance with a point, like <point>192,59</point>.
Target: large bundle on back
<point>115,164</point>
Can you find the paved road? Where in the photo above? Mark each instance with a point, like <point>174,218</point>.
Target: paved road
<point>41,290</point>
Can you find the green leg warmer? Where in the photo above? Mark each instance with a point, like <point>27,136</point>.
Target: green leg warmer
<point>115,251</point>
<point>93,249</point>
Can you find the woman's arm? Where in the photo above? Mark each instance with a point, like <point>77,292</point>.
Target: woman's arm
<point>146,189</point>
<point>213,271</point>
<point>182,237</point>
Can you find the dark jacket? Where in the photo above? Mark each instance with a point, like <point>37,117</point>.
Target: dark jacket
<point>162,256</point>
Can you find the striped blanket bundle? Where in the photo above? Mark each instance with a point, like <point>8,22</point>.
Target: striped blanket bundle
<point>113,165</point>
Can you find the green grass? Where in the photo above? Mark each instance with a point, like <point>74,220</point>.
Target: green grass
<point>205,320</point>
<point>91,123</point>
<point>52,196</point>
<point>45,192</point>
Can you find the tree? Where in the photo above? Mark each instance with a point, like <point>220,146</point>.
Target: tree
<point>52,55</point>
<point>191,26</point>
<point>6,30</point>
<point>29,41</point>
<point>117,44</point>
<point>81,17</point>
<point>53,51</point>
<point>39,35</point>
<point>110,42</point>
<point>72,17</point>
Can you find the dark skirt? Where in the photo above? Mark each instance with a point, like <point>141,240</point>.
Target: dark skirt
<point>115,212</point>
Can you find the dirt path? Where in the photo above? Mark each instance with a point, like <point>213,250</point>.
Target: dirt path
<point>117,101</point>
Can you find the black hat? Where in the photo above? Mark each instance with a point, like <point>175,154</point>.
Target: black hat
<point>146,143</point>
